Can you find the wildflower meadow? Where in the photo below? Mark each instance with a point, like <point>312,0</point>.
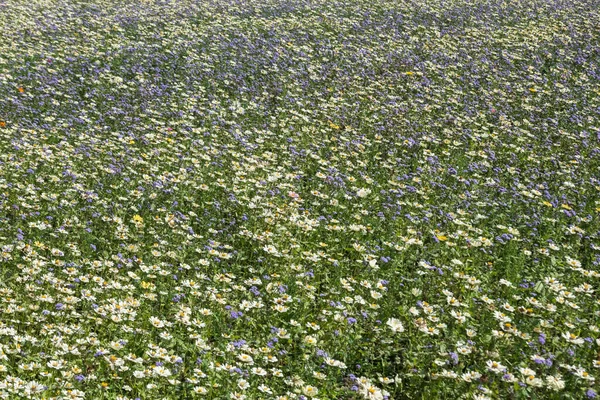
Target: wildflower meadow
<point>299,199</point>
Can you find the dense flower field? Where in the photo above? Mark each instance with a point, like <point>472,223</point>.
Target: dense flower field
<point>299,199</point>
